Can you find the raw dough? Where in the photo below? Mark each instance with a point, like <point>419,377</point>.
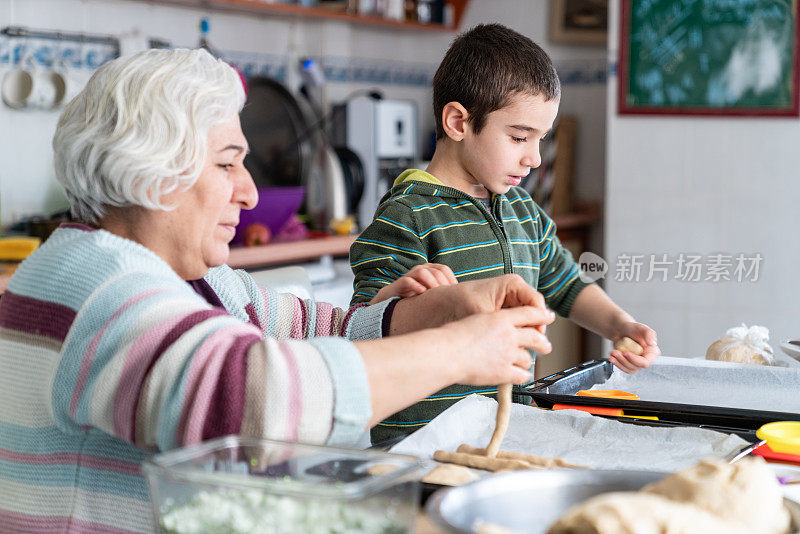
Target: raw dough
<point>382,469</point>
<point>501,422</point>
<point>626,344</point>
<point>536,461</point>
<point>711,497</point>
<point>744,492</point>
<point>480,462</point>
<point>490,528</point>
<point>736,354</point>
<point>450,475</point>
<point>639,513</point>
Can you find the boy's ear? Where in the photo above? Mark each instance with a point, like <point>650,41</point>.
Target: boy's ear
<point>455,118</point>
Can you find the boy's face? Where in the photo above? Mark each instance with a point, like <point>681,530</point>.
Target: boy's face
<point>507,147</point>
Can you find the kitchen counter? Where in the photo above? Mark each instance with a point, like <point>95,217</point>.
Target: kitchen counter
<point>261,256</point>
<point>574,225</point>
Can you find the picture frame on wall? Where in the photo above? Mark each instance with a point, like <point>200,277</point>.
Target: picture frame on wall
<point>698,58</point>
<point>579,22</point>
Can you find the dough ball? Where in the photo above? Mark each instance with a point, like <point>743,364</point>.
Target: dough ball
<point>450,475</point>
<point>490,528</point>
<point>382,469</point>
<point>626,344</point>
<point>744,492</point>
<point>735,354</point>
<point>639,513</point>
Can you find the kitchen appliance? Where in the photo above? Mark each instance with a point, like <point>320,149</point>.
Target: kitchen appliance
<point>383,134</point>
<point>275,207</point>
<point>288,148</point>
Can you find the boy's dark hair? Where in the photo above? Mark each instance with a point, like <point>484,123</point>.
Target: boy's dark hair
<point>485,67</point>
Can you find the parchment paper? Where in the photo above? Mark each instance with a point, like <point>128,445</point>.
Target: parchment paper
<point>712,383</point>
<point>577,437</point>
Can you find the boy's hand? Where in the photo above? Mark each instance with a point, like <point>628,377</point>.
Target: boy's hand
<point>417,281</point>
<point>644,336</point>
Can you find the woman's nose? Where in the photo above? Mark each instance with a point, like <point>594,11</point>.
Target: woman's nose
<point>246,193</point>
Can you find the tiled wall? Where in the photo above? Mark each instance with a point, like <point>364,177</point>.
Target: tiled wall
<point>704,186</point>
<point>338,69</point>
<point>401,63</point>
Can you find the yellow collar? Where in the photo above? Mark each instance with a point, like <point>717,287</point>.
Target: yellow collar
<point>418,175</point>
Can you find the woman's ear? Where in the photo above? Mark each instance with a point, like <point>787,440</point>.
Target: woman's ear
<point>455,119</point>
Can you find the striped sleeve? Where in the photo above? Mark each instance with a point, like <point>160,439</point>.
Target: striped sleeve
<point>285,316</point>
<point>559,275</point>
<point>386,250</point>
<point>161,368</point>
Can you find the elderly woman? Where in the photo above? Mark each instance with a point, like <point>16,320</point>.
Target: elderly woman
<point>107,354</point>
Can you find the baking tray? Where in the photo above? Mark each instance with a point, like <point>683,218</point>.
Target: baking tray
<point>561,388</point>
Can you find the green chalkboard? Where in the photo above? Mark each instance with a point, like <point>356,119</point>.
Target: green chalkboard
<point>737,57</point>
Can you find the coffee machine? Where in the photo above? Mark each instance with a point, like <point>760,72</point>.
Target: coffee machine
<point>383,134</point>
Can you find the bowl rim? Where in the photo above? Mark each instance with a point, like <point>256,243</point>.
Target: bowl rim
<point>434,504</point>
<point>168,465</point>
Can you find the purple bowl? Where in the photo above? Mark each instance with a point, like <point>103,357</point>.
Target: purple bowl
<point>275,206</point>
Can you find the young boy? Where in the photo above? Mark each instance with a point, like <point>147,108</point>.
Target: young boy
<point>495,96</point>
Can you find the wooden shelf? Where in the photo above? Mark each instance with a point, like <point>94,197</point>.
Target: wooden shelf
<point>282,253</point>
<point>296,251</point>
<point>292,10</point>
<point>585,214</point>
<point>569,224</point>
<point>577,224</point>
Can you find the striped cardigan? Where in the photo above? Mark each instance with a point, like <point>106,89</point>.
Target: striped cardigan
<point>106,356</point>
<point>421,220</point>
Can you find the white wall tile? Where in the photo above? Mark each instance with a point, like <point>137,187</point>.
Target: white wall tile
<point>27,182</point>
<point>732,183</point>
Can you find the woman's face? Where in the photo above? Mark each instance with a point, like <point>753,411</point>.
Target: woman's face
<point>202,225</point>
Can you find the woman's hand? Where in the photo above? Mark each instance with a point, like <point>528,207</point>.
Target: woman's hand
<point>490,348</point>
<point>483,349</point>
<point>644,336</point>
<point>445,304</point>
<point>417,281</point>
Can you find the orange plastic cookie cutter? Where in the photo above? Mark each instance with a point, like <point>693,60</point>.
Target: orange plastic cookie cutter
<point>608,394</point>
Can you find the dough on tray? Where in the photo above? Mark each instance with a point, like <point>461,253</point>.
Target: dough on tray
<point>382,469</point>
<point>735,354</point>
<point>450,475</point>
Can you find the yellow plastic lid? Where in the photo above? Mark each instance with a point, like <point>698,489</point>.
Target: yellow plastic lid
<point>781,436</point>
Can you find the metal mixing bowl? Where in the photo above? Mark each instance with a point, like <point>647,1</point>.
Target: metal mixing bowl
<point>530,501</point>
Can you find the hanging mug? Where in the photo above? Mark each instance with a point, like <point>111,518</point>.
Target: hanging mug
<point>27,86</point>
<point>62,82</point>
<point>17,85</point>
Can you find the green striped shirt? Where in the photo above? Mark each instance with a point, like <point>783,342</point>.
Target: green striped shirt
<point>420,220</point>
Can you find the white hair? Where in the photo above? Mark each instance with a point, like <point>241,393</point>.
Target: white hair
<point>138,129</point>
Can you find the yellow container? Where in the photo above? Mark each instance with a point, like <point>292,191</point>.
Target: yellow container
<point>17,248</point>
<point>781,436</point>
